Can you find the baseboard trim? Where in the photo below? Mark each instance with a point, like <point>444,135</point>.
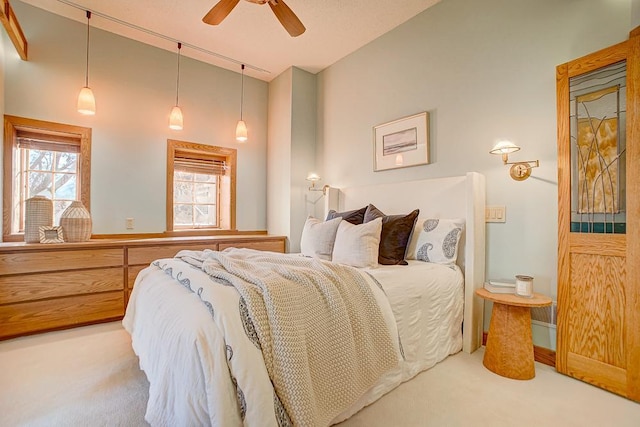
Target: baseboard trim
<point>540,354</point>
<point>544,355</point>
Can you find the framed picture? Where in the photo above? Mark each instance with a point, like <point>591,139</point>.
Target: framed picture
<point>50,234</point>
<point>401,143</point>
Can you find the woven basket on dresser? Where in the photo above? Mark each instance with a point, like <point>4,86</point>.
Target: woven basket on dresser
<point>38,212</point>
<point>76,223</point>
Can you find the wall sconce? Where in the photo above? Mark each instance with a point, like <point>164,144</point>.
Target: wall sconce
<point>519,170</point>
<point>313,178</point>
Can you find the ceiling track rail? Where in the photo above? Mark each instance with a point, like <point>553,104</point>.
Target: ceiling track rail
<point>162,36</point>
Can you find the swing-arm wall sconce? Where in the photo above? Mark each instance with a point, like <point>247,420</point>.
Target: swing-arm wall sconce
<point>519,170</point>
<point>314,178</point>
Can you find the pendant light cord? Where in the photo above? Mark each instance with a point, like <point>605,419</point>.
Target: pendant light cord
<point>86,75</point>
<point>242,92</point>
<point>178,76</point>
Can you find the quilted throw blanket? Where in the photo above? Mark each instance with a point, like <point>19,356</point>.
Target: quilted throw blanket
<point>321,332</point>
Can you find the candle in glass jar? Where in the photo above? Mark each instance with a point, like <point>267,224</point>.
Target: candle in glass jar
<point>524,286</point>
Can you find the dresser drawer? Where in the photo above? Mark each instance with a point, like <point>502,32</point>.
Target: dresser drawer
<point>267,245</point>
<point>145,255</point>
<point>132,273</point>
<point>35,262</point>
<point>25,318</point>
<point>31,287</point>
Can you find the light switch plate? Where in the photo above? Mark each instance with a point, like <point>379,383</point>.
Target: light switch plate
<point>495,214</point>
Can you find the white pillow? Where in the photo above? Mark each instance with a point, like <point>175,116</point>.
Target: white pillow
<point>438,240</point>
<point>318,237</point>
<point>358,245</point>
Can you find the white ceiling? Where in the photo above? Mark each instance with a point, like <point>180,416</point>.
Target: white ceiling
<point>251,34</point>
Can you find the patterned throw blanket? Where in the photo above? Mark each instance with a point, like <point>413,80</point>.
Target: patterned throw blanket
<point>322,334</point>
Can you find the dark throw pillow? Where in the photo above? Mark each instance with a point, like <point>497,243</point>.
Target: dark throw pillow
<point>396,231</point>
<point>355,217</point>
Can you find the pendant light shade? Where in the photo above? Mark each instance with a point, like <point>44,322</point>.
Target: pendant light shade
<point>86,100</point>
<point>241,127</point>
<point>175,118</point>
<point>241,131</point>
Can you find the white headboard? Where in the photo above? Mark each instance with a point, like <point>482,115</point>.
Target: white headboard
<point>454,197</point>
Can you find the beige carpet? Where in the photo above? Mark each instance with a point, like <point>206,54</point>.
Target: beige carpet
<point>89,376</point>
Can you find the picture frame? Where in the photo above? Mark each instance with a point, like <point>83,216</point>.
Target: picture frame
<point>401,143</point>
<point>50,234</point>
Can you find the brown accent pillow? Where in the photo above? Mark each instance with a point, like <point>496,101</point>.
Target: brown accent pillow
<point>355,217</point>
<point>396,231</point>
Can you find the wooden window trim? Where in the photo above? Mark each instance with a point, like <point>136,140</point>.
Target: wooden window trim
<point>230,155</point>
<point>15,126</point>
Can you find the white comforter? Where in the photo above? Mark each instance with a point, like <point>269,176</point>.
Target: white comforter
<point>203,372</point>
<point>428,303</point>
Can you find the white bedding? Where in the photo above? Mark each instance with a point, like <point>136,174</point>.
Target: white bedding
<point>184,354</point>
<point>428,302</point>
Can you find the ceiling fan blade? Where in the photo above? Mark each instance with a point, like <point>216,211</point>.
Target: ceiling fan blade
<point>220,11</point>
<point>287,18</point>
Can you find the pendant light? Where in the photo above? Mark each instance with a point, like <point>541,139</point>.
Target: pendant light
<point>86,100</point>
<point>175,118</point>
<point>241,128</point>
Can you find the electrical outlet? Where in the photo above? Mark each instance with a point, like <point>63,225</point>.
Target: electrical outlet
<point>129,223</point>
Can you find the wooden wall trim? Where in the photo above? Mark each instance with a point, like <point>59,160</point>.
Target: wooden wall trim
<point>598,59</point>
<point>11,24</point>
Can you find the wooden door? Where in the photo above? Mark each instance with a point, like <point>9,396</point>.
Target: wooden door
<point>598,337</point>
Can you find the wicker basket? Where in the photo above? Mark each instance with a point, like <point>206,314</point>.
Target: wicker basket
<point>76,223</point>
<point>38,212</point>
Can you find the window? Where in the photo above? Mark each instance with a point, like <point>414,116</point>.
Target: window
<point>45,159</point>
<point>200,187</point>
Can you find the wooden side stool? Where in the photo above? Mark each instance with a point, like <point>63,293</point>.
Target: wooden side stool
<point>509,350</point>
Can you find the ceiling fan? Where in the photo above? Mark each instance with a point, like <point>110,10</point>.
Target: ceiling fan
<point>287,18</point>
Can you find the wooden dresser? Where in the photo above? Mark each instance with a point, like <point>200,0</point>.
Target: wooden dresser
<point>55,286</point>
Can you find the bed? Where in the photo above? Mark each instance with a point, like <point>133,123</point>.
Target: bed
<point>204,368</point>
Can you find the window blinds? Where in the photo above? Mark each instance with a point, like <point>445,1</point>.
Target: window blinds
<point>187,161</point>
<point>46,142</point>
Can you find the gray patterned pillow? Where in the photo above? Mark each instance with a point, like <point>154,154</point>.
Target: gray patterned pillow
<point>438,240</point>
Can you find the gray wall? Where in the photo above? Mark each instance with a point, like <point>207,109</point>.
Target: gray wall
<point>484,70</point>
<point>303,143</point>
<point>279,154</point>
<point>291,153</point>
<point>134,85</point>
